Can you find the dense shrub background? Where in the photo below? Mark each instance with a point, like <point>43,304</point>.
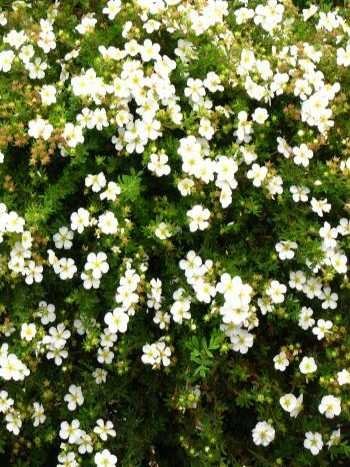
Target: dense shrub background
<point>201,408</point>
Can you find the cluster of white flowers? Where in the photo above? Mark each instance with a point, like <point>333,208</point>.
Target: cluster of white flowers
<point>107,224</point>
<point>180,309</point>
<point>135,106</point>
<point>126,295</point>
<point>72,434</point>
<point>55,341</point>
<point>96,265</point>
<point>11,367</point>
<point>20,261</point>
<point>117,320</point>
<point>193,152</point>
<point>156,354</point>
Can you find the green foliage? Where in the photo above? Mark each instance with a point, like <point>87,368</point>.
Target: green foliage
<point>192,372</point>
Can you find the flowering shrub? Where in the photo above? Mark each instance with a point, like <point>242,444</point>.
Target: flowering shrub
<point>174,228</point>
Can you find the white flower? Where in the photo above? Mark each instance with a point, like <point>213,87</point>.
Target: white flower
<point>344,227</point>
<point>185,186</point>
<point>339,262</point>
<point>100,375</point>
<point>73,134</point>
<point>117,321</point>
<point>28,331</point>
<point>97,264</point>
<point>5,402</point>
<point>288,402</point>
<point>226,167</point>
<point>329,298</point>
<point>283,147</point>
<point>87,24</point>
<point>276,291</point>
<point>281,361</point>
<point>330,406</point>
<point>297,280</point>
<point>320,206</point>
<point>68,459</point>
<point>158,164</point>
<point>268,16</point>
<point>105,355</point>
<point>46,312</point>
<point>100,119</point>
<point>40,128</point>
<point>150,354</point>
<point>163,231</point>
<point>108,223</point>
<point>298,408</point>
<point>237,298</point>
<point>343,377</point>
<point>85,444</point>
<point>80,220</point>
<point>225,195</point>
<point>6,59</point>
<point>57,336</point>
<point>26,54</point>
<point>48,94</point>
<point>285,249</point>
<point>343,56</point>
<point>212,82</point>
<point>67,268</point>
<point>3,19</point>
<point>299,193</point>
<point>104,429</point>
<point>205,128</point>
<point>307,365</point>
<point>164,353</point>
<point>195,90</point>
<point>63,238</point>
<point>14,223</point>
<point>258,174</point>
<point>105,458</point>
<point>260,115</point>
<point>89,281</point>
<point>334,438</point>
<point>302,155</point>
<point>71,431</point>
<point>38,414</point>
<point>313,287</point>
<point>107,339</point>
<point>313,442</point>
<point>309,12</point>
<point>149,51</point>
<point>13,422</point>
<point>112,191</point>
<point>37,68</point>
<point>305,318</point>
<point>241,340</point>
<point>112,9</point>
<point>96,182</point>
<point>33,273</point>
<point>74,397</point>
<point>263,434</point>
<point>198,217</point>
<point>180,309</point>
<point>275,186</point>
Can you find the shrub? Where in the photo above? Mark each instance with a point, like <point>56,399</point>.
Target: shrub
<point>174,227</point>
